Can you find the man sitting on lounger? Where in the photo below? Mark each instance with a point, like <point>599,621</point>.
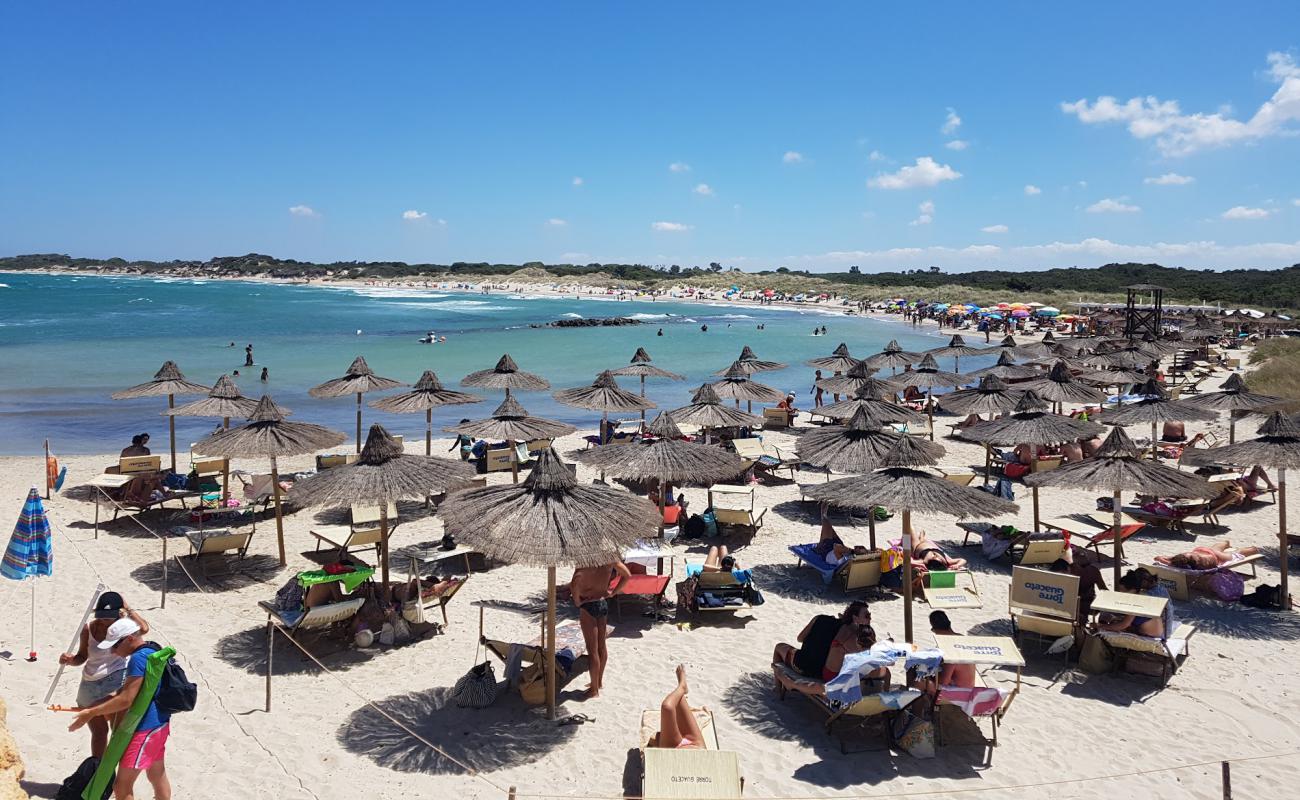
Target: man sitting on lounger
<point>825,640</point>
<point>678,728</point>
<point>591,590</point>
<point>933,556</point>
<point>1200,558</point>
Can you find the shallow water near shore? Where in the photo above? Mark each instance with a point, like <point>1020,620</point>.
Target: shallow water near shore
<point>68,341</point>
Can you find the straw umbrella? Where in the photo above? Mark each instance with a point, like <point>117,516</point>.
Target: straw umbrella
<point>956,348</point>
<point>1118,467</point>
<point>510,421</point>
<point>358,380</point>
<point>382,475</point>
<point>1059,387</point>
<point>856,377</point>
<point>1233,397</point>
<point>893,356</point>
<point>1277,446</point>
<point>427,394</point>
<point>736,385</point>
<point>991,396</point>
<point>838,361</point>
<point>168,381</point>
<point>603,395</point>
<point>550,520</point>
<point>927,376</point>
<point>1007,369</point>
<point>870,398</point>
<point>752,363</point>
<point>668,459</point>
<point>506,375</point>
<point>642,368</point>
<point>1155,407</point>
<point>707,411</point>
<point>1033,426</point>
<point>901,486</point>
<point>268,435</point>
<point>223,401</point>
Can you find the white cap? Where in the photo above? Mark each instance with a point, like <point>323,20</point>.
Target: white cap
<point>118,631</point>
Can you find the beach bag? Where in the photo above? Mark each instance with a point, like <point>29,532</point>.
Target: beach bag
<point>176,692</point>
<point>1264,596</point>
<point>695,527</point>
<point>532,685</point>
<point>710,523</point>
<point>75,784</point>
<point>476,688</point>
<point>686,593</point>
<point>753,596</point>
<point>1226,585</point>
<point>914,735</point>
<point>1015,470</point>
<point>1096,657</point>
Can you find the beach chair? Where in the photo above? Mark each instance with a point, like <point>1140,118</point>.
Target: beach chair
<point>1180,582</point>
<point>215,541</point>
<point>134,465</point>
<point>763,456</point>
<point>363,534</point>
<point>1096,529</point>
<point>643,585</point>
<point>538,445</point>
<point>316,619</point>
<point>570,646</point>
<point>140,468</point>
<point>775,419</point>
<point>1046,463</point>
<point>1124,647</point>
<point>948,589</point>
<point>981,702</point>
<point>861,571</point>
<point>1043,604</point>
<point>331,461</point>
<point>959,478</point>
<point>671,773</point>
<point>873,709</point>
<point>729,589</point>
<point>209,470</point>
<point>734,507</point>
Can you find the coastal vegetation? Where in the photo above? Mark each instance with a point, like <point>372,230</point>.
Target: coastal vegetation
<point>1266,290</point>
<point>1278,373</point>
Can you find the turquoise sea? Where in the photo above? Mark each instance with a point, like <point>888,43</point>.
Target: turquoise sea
<point>67,342</point>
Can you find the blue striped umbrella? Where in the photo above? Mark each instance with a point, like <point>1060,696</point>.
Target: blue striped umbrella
<point>29,553</point>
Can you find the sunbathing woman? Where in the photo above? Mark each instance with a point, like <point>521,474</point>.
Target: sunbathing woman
<point>825,641</point>
<point>719,560</point>
<point>1131,583</point>
<point>933,556</point>
<point>830,547</point>
<point>678,728</point>
<point>1216,555</point>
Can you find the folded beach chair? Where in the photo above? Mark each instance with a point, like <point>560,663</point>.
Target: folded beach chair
<point>862,571</point>
<point>641,585</point>
<point>671,773</point>
<point>878,709</point>
<point>949,589</point>
<point>763,456</point>
<point>1180,582</point>
<point>1043,604</point>
<point>363,534</point>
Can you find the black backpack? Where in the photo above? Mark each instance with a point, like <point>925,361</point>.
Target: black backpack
<point>695,527</point>
<point>176,692</point>
<point>75,784</point>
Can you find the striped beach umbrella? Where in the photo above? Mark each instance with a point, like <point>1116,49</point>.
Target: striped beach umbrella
<point>29,553</point>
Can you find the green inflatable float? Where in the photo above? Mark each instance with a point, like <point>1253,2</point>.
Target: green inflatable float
<point>122,736</point>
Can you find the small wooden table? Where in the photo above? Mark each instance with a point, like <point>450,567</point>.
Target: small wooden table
<point>103,483</point>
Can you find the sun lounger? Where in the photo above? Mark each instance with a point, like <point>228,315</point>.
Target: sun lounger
<point>331,461</point>
<point>363,534</point>
<point>672,773</point>
<point>733,507</point>
<point>215,541</point>
<point>317,618</point>
<point>1097,529</point>
<point>641,585</point>
<point>861,571</point>
<point>1179,582</point>
<point>1026,548</point>
<point>570,646</point>
<point>872,708</point>
<point>982,651</point>
<point>950,589</point>
<point>1043,604</point>
<point>134,465</point>
<point>729,590</point>
<point>763,456</point>
<point>959,478</point>
<point>775,419</point>
<point>1164,653</point>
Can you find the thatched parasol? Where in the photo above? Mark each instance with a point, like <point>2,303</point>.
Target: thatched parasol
<point>550,520</point>
<point>737,385</point>
<point>1118,467</point>
<point>168,381</point>
<point>358,380</point>
<point>869,398</point>
<point>1235,398</point>
<point>268,435</point>
<point>991,396</point>
<point>856,446</point>
<point>927,376</point>
<point>510,421</point>
<point>752,363</point>
<point>604,395</point>
<point>382,475</point>
<point>838,361</point>
<point>707,411</point>
<point>956,348</point>
<point>427,394</point>
<point>506,375</point>
<point>223,401</point>
<point>1278,446</point>
<point>1060,387</point>
<point>893,356</point>
<point>1202,328</point>
<point>900,486</point>
<point>1033,426</point>
<point>1007,369</point>
<point>1155,407</point>
<point>858,376</point>
<point>642,368</point>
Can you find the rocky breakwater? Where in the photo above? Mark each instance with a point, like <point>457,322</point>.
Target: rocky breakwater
<point>606,322</point>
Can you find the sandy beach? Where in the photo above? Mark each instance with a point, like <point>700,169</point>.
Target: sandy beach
<point>1080,734</point>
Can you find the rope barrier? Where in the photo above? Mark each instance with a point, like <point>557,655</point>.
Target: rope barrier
<point>136,519</point>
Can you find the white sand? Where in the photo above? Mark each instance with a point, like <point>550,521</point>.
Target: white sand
<point>1234,697</point>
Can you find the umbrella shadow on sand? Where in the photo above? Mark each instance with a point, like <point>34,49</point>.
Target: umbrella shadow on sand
<point>501,736</point>
<point>246,650</point>
<point>212,573</point>
<point>803,583</point>
<point>752,704</point>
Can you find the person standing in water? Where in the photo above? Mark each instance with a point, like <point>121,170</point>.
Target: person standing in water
<point>248,355</point>
<point>265,374</point>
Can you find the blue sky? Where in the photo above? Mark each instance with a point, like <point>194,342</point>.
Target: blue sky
<point>759,135</point>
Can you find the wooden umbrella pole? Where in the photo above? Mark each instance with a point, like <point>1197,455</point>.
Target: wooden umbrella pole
<point>929,410</point>
<point>643,397</point>
<point>514,461</point>
<point>279,515</point>
<point>383,543</point>
<point>171,428</point>
<point>1155,451</point>
<point>907,576</point>
<point>988,462</point>
<point>47,469</point>
<point>1119,543</point>
<point>428,431</point>
<point>1232,427</point>
<point>871,527</point>
<point>358,422</point>
<point>1282,541</point>
<point>1037,524</point>
<point>549,642</point>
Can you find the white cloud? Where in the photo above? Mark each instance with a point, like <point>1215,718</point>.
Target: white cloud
<point>671,227</point>
<point>876,155</point>
<point>925,172</point>
<point>303,211</point>
<point>414,216</point>
<point>1177,134</point>
<point>995,229</point>
<point>575,258</point>
<point>792,157</point>
<point>1111,206</point>
<point>1032,190</point>
<point>957,144</point>
<point>951,123</point>
<point>704,190</point>
<point>1296,202</point>
<point>1169,179</point>
<point>440,222</point>
<point>927,214</point>
<point>679,166</point>
<point>1244,212</point>
<point>578,181</point>
<point>556,222</point>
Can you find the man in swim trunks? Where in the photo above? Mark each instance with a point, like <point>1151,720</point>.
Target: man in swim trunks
<point>591,589</point>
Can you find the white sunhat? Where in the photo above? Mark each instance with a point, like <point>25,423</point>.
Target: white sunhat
<point>118,631</point>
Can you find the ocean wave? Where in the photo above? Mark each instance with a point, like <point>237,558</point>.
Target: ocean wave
<point>4,286</point>
<point>140,300</point>
<point>390,293</point>
<point>736,316</point>
<point>572,315</point>
<point>642,316</point>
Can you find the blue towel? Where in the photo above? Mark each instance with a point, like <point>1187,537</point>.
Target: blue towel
<point>809,555</point>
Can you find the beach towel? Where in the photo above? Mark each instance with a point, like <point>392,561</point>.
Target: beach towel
<point>846,687</point>
<point>809,555</point>
<point>976,701</point>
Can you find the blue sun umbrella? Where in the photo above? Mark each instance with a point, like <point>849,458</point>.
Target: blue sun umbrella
<point>29,553</point>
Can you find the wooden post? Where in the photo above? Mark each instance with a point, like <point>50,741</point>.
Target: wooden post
<point>643,397</point>
<point>1119,544</point>
<point>1227,781</point>
<point>171,427</point>
<point>871,527</point>
<point>270,646</point>
<point>510,795</point>
<point>164,562</point>
<point>907,576</point>
<point>358,422</point>
<point>428,431</point>
<point>1285,600</point>
<point>549,642</point>
<point>48,480</point>
<point>279,515</point>
<point>1037,524</point>
<point>929,409</point>
<point>383,544</point>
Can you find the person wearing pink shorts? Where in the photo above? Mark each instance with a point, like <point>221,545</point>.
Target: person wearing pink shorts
<point>146,749</point>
